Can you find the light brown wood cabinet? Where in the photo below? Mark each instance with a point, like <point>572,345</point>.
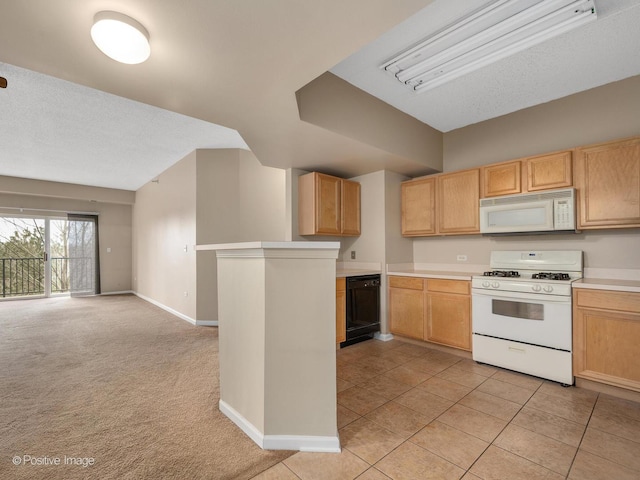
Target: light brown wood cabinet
<point>458,202</point>
<point>406,307</point>
<point>607,177</point>
<point>606,337</point>
<point>443,204</point>
<point>350,213</point>
<point>448,316</point>
<point>434,310</point>
<point>553,170</point>
<point>419,207</point>
<point>328,205</point>
<point>341,310</point>
<point>532,174</point>
<point>501,179</point>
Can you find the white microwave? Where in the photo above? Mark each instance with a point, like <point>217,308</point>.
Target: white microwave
<point>550,211</point>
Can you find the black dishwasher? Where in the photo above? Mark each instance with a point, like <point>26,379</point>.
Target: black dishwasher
<point>363,308</point>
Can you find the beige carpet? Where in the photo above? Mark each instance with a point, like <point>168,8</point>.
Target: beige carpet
<point>117,380</point>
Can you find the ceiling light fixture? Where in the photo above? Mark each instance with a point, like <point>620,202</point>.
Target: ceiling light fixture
<point>485,36</point>
<point>120,37</point>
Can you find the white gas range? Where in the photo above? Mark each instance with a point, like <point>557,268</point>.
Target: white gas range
<point>522,312</point>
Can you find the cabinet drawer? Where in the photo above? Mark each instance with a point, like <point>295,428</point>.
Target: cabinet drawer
<point>608,300</point>
<point>406,282</point>
<point>341,284</point>
<point>448,286</point>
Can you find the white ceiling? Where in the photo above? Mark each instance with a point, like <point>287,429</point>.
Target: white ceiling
<point>601,52</point>
<point>218,68</point>
<point>61,131</point>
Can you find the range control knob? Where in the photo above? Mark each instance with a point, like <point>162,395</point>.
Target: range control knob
<point>536,288</point>
<point>486,284</point>
<point>495,284</point>
<point>548,288</point>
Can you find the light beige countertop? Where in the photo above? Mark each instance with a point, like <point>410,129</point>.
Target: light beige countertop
<point>354,269</point>
<point>442,274</point>
<point>608,284</point>
<point>355,272</point>
<point>620,279</point>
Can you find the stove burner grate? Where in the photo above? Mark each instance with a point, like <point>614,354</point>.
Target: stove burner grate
<point>501,273</point>
<point>551,276</point>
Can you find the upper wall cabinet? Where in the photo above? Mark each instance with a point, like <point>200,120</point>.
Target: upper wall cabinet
<point>532,174</point>
<point>607,177</point>
<point>501,179</point>
<point>444,204</point>
<point>419,207</point>
<point>549,171</point>
<point>328,205</point>
<point>458,202</point>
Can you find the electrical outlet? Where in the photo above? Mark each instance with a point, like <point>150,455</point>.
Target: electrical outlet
<point>461,258</point>
<point>186,248</point>
<point>353,254</point>
<point>186,294</point>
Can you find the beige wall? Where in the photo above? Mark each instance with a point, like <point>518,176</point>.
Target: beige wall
<point>602,248</point>
<point>210,196</point>
<point>114,219</point>
<point>601,114</point>
<point>604,113</point>
<point>334,104</point>
<point>164,225</point>
<point>238,200</point>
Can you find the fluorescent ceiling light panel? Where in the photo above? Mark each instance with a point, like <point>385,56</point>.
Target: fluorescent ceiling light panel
<point>120,37</point>
<point>494,32</point>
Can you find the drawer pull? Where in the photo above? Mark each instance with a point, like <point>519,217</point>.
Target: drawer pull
<point>517,350</point>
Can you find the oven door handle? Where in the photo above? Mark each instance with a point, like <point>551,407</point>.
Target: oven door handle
<point>539,298</point>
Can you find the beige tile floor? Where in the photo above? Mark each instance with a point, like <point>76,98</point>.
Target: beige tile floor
<point>413,412</point>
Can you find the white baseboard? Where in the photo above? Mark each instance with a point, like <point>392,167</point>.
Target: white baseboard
<point>385,337</point>
<point>192,321</point>
<point>207,323</point>
<point>165,308</point>
<point>302,443</point>
<point>122,292</point>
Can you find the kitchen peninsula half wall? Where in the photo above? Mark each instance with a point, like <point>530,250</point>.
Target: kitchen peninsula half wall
<point>276,304</point>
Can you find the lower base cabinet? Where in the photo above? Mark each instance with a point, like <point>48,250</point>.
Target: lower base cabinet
<point>341,310</point>
<point>435,310</point>
<point>406,307</point>
<point>606,337</point>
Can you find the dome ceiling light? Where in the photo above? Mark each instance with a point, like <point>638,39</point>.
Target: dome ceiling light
<point>120,37</point>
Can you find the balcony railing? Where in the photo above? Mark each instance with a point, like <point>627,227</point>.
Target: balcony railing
<point>25,276</point>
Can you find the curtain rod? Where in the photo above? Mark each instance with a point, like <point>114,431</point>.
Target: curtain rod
<point>22,209</point>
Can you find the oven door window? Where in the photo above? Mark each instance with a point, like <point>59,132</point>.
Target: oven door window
<point>528,311</point>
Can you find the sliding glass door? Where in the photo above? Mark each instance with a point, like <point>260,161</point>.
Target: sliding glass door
<point>84,276</point>
<point>44,256</point>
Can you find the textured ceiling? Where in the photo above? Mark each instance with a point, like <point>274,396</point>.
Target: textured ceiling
<point>601,52</point>
<point>225,67</point>
<point>60,131</point>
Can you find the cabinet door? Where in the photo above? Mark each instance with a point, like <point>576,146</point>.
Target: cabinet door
<point>549,171</point>
<point>606,335</point>
<point>501,179</point>
<point>458,202</point>
<point>448,320</point>
<point>328,204</point>
<point>608,182</point>
<point>419,207</point>
<point>350,208</point>
<point>406,307</point>
<point>341,310</point>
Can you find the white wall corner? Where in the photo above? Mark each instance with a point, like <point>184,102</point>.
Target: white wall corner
<point>302,443</point>
<point>385,337</point>
<point>207,323</point>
